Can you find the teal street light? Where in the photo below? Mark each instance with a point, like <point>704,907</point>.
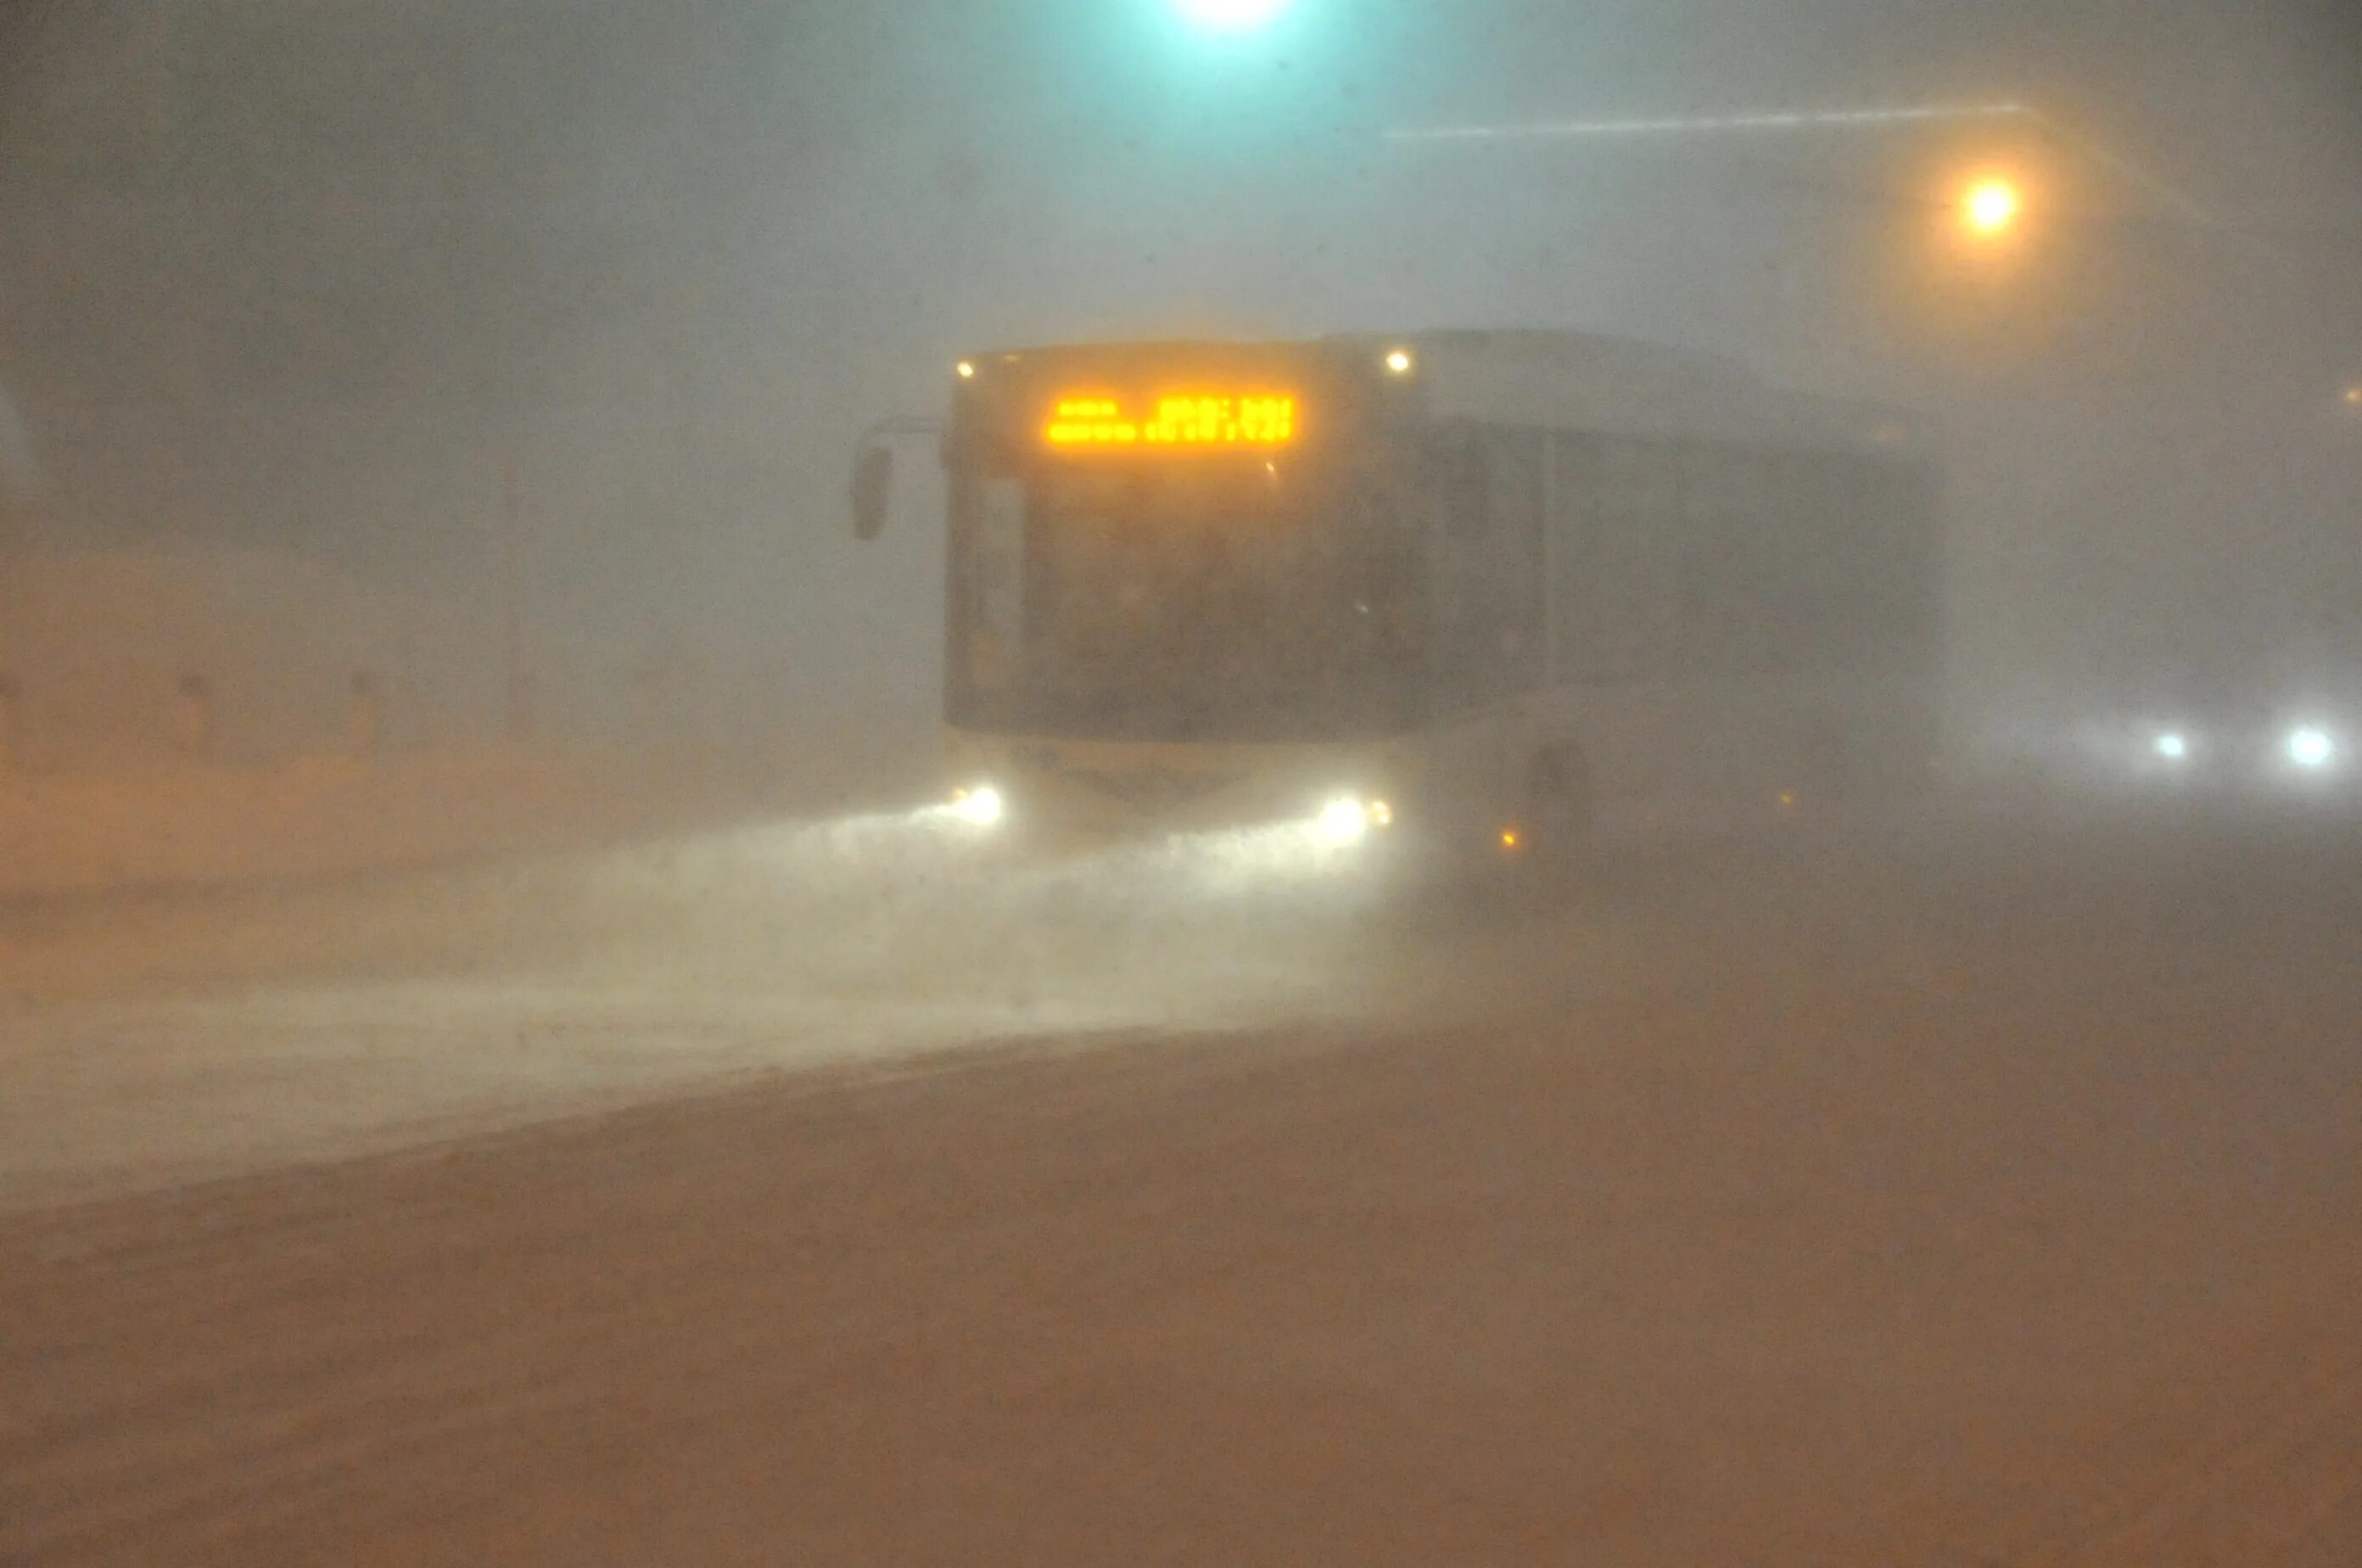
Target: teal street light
<point>1230,16</point>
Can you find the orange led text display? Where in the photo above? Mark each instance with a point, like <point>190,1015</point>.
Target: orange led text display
<point>1178,422</point>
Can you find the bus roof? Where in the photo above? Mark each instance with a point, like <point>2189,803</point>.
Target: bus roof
<point>1578,381</point>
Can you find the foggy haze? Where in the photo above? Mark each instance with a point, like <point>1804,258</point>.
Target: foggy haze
<point>1723,926</point>
<point>300,279</point>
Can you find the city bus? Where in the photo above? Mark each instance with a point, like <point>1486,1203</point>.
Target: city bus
<point>1482,591</point>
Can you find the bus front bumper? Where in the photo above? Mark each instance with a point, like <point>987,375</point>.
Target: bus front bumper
<point>1076,794</point>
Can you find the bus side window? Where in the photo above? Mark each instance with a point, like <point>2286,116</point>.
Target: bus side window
<point>1389,575</point>
<point>1574,544</point>
<point>1513,575</point>
<point>1633,560</point>
<point>1456,484</point>
<point>1455,477</point>
<point>1489,587</point>
<point>996,562</point>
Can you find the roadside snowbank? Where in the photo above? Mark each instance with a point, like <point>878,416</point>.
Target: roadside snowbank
<point>106,832</point>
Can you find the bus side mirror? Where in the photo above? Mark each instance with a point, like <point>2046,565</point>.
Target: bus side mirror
<point>873,492</point>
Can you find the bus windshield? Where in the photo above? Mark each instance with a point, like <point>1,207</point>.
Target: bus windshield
<point>1191,602</point>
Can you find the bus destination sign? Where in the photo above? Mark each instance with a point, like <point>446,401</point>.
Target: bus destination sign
<point>1195,422</point>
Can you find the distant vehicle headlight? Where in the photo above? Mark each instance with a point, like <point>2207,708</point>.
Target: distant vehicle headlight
<point>2172,746</point>
<point>2311,747</point>
<point>983,806</point>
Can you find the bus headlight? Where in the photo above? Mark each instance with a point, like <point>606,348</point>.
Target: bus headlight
<point>1342,819</point>
<point>981,806</point>
<point>1348,819</point>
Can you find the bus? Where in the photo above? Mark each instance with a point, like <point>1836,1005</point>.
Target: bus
<point>1482,590</point>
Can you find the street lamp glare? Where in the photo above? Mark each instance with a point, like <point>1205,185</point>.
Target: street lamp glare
<point>1992,206</point>
<point>1230,16</point>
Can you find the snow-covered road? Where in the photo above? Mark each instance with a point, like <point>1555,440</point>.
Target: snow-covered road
<point>1980,1196</point>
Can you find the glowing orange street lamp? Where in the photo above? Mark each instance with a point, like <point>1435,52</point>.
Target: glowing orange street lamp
<point>1990,207</point>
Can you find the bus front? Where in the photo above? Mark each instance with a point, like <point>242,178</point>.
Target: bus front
<point>1182,590</point>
